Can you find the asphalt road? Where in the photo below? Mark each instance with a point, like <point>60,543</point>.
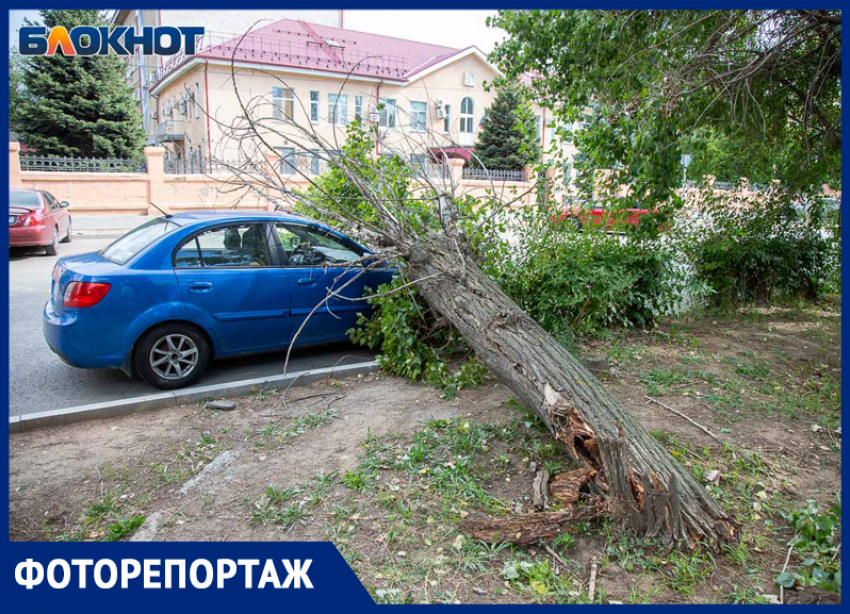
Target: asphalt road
<point>39,381</point>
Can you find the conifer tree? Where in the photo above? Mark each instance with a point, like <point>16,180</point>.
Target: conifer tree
<point>508,139</point>
<point>77,105</point>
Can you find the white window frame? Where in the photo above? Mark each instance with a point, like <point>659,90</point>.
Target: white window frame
<point>197,100</point>
<point>418,117</point>
<point>447,118</point>
<point>338,109</point>
<point>358,107</point>
<point>389,113</point>
<point>315,101</point>
<point>283,100</point>
<point>287,160</point>
<point>467,115</point>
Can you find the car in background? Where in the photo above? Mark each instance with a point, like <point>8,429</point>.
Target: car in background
<point>586,215</point>
<point>181,290</point>
<point>37,219</point>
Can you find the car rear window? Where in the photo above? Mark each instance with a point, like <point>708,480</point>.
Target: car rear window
<point>23,199</point>
<point>123,249</point>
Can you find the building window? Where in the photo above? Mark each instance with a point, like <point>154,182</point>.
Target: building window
<point>283,103</point>
<point>197,100</point>
<point>419,116</point>
<point>538,126</point>
<point>388,113</point>
<point>314,107</point>
<point>358,107</point>
<point>287,160</point>
<point>315,161</point>
<point>467,115</point>
<point>338,109</point>
<point>447,118</point>
<point>419,161</point>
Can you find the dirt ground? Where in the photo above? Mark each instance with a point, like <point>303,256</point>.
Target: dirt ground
<point>387,469</point>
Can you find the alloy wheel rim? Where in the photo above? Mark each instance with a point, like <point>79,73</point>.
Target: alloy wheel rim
<point>174,357</point>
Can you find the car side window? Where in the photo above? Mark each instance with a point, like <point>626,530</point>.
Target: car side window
<point>237,245</point>
<point>52,203</point>
<point>303,246</point>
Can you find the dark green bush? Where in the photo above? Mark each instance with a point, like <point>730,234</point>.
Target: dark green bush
<point>758,249</point>
<point>586,282</point>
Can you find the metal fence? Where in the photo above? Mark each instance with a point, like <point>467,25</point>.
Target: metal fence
<point>484,174</point>
<point>69,164</point>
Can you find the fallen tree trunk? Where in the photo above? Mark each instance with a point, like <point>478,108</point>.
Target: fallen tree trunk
<point>641,484</point>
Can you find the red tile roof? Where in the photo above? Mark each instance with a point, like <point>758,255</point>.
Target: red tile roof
<point>297,44</point>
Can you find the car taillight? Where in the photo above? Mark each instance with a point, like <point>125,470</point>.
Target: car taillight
<point>79,294</point>
<point>33,219</point>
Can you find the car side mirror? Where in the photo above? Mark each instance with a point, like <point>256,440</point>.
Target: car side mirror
<point>64,204</point>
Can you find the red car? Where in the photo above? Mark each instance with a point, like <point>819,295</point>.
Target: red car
<point>577,217</point>
<point>38,219</point>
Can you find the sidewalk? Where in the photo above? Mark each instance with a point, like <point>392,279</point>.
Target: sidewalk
<point>105,226</point>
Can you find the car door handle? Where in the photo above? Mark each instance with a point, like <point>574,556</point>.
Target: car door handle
<point>200,286</point>
<point>306,281</point>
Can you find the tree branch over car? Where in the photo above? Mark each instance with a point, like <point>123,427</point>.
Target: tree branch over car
<point>435,235</point>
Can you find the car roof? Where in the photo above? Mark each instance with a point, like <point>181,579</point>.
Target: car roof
<point>189,217</point>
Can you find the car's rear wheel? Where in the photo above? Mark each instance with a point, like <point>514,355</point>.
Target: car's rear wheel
<point>573,223</point>
<point>53,248</point>
<point>172,356</point>
<point>67,238</point>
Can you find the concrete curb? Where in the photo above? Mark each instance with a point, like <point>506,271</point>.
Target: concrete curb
<point>122,407</point>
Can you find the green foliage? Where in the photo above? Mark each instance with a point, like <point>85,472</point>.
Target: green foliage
<point>645,83</point>
<point>125,528</point>
<point>817,541</point>
<point>753,248</point>
<point>413,342</point>
<point>508,138</point>
<point>586,282</point>
<point>78,105</point>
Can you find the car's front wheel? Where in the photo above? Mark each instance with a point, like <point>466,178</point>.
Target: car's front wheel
<point>172,356</point>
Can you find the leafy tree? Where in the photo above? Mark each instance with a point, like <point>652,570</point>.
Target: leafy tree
<point>643,80</point>
<point>508,139</point>
<point>79,105</point>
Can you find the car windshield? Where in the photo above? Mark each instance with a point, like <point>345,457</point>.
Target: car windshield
<point>123,249</point>
<point>18,198</point>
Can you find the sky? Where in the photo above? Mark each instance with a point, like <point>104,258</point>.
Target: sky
<point>450,28</point>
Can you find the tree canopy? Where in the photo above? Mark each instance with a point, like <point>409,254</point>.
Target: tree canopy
<point>649,85</point>
<point>76,106</point>
<point>508,139</point>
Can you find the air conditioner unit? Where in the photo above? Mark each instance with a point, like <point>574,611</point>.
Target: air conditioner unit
<point>439,102</point>
<point>154,115</point>
<point>439,113</point>
<point>374,117</point>
<point>469,79</point>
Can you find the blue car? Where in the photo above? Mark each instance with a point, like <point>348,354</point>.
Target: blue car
<point>179,291</point>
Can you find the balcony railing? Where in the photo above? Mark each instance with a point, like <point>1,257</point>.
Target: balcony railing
<point>483,174</point>
<point>82,165</point>
<point>171,130</point>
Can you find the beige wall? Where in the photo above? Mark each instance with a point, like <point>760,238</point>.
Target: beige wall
<point>255,84</point>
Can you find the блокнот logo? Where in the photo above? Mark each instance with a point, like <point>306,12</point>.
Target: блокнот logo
<point>101,40</point>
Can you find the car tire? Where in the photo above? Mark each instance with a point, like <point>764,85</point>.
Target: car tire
<point>67,238</point>
<point>573,223</point>
<point>53,248</point>
<point>172,356</point>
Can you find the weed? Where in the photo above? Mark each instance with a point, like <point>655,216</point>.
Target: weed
<point>125,528</point>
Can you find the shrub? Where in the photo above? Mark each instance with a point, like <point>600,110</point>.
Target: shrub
<point>757,248</point>
<point>413,342</point>
<point>586,282</point>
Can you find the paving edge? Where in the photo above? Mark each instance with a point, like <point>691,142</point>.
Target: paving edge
<point>122,407</point>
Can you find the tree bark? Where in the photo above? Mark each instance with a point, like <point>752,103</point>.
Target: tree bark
<point>642,485</point>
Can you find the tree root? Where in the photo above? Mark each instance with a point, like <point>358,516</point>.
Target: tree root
<point>525,529</point>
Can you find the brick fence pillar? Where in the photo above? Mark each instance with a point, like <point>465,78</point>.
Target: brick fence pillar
<point>154,160</point>
<point>15,179</point>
